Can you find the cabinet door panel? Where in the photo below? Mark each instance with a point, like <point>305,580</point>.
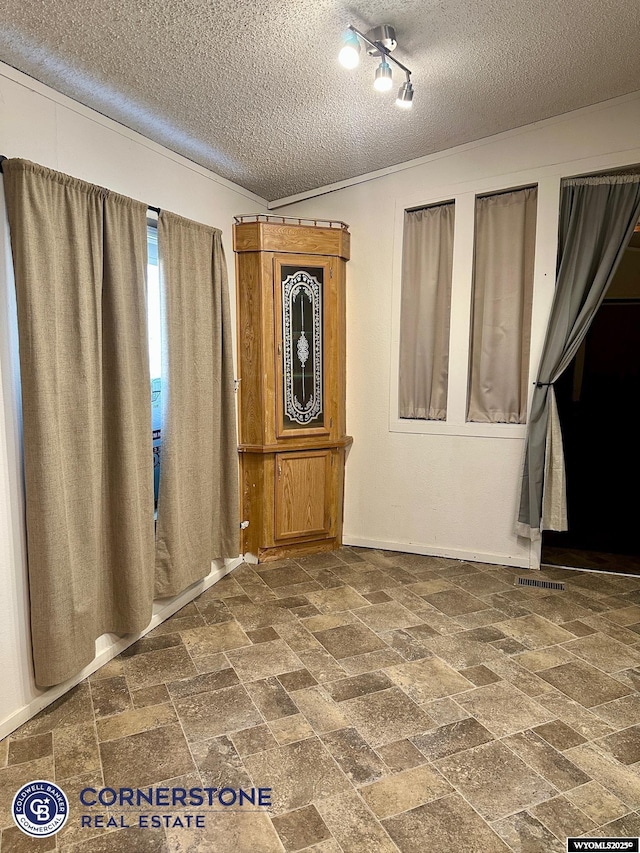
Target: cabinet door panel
<point>303,483</point>
<point>304,345</point>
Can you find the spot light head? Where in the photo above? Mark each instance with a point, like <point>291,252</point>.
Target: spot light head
<point>349,56</point>
<point>405,96</point>
<point>383,81</point>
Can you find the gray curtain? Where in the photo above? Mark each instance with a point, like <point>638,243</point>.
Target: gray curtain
<point>427,258</point>
<point>505,244</point>
<point>597,219</point>
<point>79,256</point>
<point>198,514</point>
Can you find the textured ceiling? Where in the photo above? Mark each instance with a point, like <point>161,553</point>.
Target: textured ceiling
<point>253,90</point>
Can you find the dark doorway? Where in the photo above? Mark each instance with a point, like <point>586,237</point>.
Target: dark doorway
<point>599,406</point>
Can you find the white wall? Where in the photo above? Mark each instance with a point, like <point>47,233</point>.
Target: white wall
<point>448,489</point>
<point>38,124</point>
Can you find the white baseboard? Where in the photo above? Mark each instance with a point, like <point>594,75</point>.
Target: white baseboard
<point>434,551</point>
<point>107,648</point>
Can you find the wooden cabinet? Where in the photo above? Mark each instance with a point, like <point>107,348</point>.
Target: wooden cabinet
<point>290,285</point>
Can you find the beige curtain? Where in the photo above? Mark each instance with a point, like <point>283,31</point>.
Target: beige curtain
<point>198,516</point>
<point>427,257</point>
<point>502,299</point>
<point>80,258</point>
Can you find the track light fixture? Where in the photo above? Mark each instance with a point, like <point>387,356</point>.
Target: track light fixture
<point>381,41</point>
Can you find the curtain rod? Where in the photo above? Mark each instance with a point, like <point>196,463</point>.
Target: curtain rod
<point>149,206</point>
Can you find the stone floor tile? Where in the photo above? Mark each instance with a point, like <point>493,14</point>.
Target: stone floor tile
<point>354,755</point>
<point>386,716</point>
<point>604,652</point>
<point>322,712</point>
<point>584,683</point>
<point>525,834</point>
<point>462,653</point>
<point>325,621</point>
<point>207,715</point>
<point>70,709</point>
<point>453,737</point>
<point>261,661</point>
<point>453,602</point>
<point>337,599</point>
<point>546,760</point>
<point>406,790</point>
<point>559,735</point>
<point>271,699</point>
<point>291,729</point>
<point>623,782</point>
<point>406,645</point>
<point>425,680</point>
<point>203,683</point>
<point>577,716</point>
<point>348,640</point>
<point>210,663</point>
<point>494,780</point>
<point>235,831</point>
<point>387,616</point>
<point>17,775</point>
<point>153,643</point>
<point>440,825</point>
<point>479,675</point>
<point>301,828</point>
<point>623,745</point>
<point>14,840</point>
<point>444,711</point>
<point>132,840</point>
<point>262,635</point>
<point>298,679</point>
<point>146,758</point>
<point>214,638</point>
<point>624,827</point>
<point>400,755</point>
<point>371,661</point>
<point>110,696</point>
<point>219,764</point>
<point>299,773</point>
<point>134,721</point>
<point>357,685</point>
<point>562,818</point>
<point>620,713</point>
<point>149,668</point>
<point>267,614</point>
<point>353,825</point>
<point>534,631</point>
<point>254,739</point>
<point>28,749</point>
<point>283,575</point>
<point>597,803</point>
<point>321,665</point>
<point>544,658</point>
<point>503,709</point>
<point>75,750</point>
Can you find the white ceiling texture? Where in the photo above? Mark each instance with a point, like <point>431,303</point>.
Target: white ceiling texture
<point>254,92</point>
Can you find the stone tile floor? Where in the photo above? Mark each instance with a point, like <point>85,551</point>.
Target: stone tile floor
<point>392,702</point>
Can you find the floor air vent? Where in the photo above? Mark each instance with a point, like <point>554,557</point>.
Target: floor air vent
<point>540,584</point>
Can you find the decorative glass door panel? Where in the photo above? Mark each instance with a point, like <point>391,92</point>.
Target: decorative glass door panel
<point>302,347</point>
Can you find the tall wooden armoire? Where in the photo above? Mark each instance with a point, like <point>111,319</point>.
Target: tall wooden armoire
<point>290,284</point>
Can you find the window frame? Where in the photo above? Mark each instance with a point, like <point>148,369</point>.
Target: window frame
<point>464,195</point>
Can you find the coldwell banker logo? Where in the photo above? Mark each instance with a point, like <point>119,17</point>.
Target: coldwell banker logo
<point>40,808</point>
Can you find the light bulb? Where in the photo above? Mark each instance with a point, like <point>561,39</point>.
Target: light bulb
<point>349,56</point>
<point>383,81</point>
<point>405,96</point>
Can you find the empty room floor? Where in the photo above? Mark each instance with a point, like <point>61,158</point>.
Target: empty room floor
<point>390,701</point>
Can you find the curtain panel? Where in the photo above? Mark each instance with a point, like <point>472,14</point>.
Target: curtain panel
<point>79,255</point>
<point>597,218</point>
<point>198,505</point>
<point>427,259</point>
<point>502,300</point>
